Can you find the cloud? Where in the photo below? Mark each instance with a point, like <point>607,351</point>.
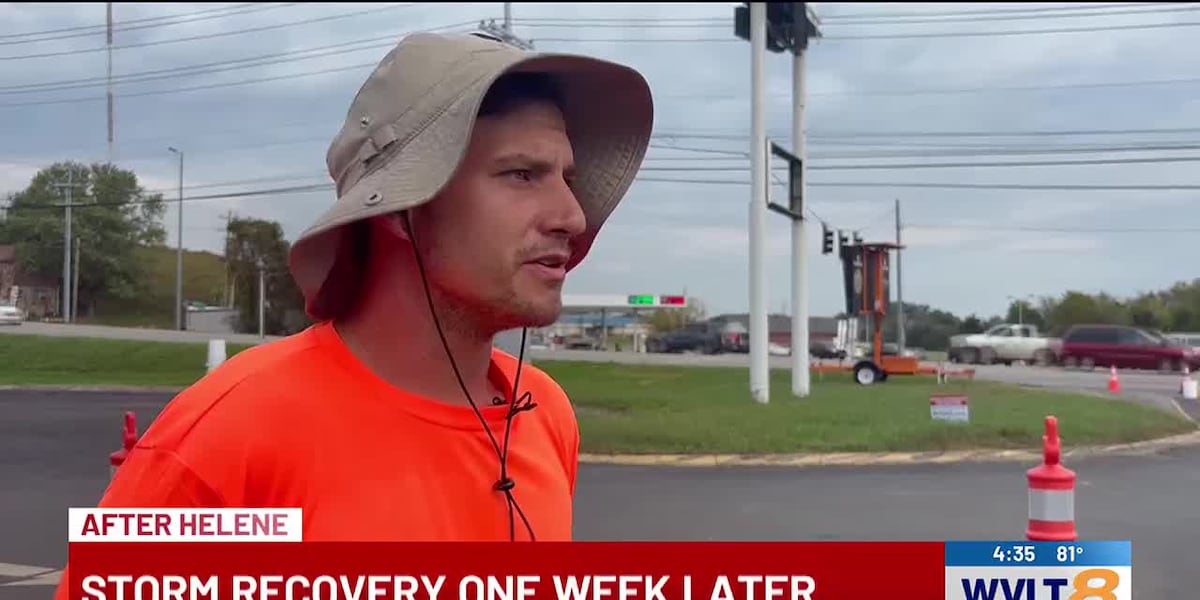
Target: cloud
<point>1056,245</point>
<point>670,235</point>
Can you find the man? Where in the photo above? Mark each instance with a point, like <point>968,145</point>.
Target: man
<point>471,176</point>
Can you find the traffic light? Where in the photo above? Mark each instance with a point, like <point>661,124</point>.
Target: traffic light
<point>826,239</point>
<point>789,25</point>
<point>857,239</point>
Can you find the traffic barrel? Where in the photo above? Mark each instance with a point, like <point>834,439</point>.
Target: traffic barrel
<point>129,439</point>
<point>1051,493</point>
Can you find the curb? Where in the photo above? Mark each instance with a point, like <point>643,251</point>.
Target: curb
<point>864,459</point>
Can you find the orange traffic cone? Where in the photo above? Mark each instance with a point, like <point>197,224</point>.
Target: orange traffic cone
<point>1114,384</point>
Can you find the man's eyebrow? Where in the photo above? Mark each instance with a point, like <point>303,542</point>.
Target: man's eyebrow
<point>524,158</point>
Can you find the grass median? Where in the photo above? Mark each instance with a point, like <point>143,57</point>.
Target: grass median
<point>669,409</point>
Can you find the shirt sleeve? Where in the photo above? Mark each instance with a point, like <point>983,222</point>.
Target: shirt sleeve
<point>151,478</point>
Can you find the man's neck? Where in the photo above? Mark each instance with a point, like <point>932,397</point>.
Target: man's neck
<point>396,339</point>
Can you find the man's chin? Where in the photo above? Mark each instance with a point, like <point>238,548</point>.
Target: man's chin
<point>533,312</point>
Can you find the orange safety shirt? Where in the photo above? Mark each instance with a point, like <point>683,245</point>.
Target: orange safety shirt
<point>301,422</point>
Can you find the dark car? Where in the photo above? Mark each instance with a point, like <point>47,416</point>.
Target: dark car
<point>1125,347</point>
<point>697,338</point>
<point>825,349</point>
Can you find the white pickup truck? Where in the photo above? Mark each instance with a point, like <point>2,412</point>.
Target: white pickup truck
<point>1007,343</point>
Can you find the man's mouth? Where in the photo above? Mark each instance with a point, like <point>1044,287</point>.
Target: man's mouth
<point>552,265</point>
<point>552,260</point>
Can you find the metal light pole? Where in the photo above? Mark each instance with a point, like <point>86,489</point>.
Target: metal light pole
<point>262,299</point>
<point>800,335</point>
<point>760,384</point>
<point>179,249</point>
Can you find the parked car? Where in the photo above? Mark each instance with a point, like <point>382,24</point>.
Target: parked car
<point>693,338</point>
<point>1126,347</point>
<point>10,315</point>
<point>826,349</point>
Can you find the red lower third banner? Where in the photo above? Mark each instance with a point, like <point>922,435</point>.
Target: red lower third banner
<point>505,571</point>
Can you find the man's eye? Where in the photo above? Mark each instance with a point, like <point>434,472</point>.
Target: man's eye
<point>521,174</point>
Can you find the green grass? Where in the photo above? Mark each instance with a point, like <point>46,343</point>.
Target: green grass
<point>692,410</point>
<point>30,359</point>
<point>652,409</point>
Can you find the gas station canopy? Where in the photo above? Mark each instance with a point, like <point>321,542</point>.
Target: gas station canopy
<point>627,301</point>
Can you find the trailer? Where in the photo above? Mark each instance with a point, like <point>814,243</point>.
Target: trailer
<point>866,272</point>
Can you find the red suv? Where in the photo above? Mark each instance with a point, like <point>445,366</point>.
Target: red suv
<point>1126,347</point>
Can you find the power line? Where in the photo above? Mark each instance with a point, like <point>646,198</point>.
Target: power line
<point>1012,32</point>
<point>1004,133</point>
<point>1017,151</point>
<point>944,165</point>
<point>327,187</point>
<point>1012,88</point>
<point>1051,229</point>
<point>894,36</point>
<point>201,87</point>
<point>218,66</point>
<point>99,28</point>
<point>209,36</point>
<point>1013,186</point>
<point>242,9</point>
<point>1077,12</point>
<point>868,18</point>
<point>194,88</point>
<point>994,10</point>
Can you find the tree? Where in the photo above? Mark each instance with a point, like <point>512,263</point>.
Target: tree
<point>253,242</point>
<point>1020,311</point>
<point>112,215</point>
<point>669,319</point>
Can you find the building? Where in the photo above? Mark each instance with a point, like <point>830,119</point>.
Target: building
<point>37,297</point>
<point>779,327</point>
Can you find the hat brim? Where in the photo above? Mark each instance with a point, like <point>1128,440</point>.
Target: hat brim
<point>609,113</point>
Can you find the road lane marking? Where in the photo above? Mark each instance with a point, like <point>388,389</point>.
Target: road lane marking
<point>49,579</point>
<point>29,575</point>
<point>1179,408</point>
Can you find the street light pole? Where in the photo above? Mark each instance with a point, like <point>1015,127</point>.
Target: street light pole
<point>179,249</point>
<point>262,299</point>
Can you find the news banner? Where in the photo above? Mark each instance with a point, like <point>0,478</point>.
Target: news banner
<point>260,554</point>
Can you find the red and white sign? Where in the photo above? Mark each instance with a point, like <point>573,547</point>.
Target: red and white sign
<point>184,525</point>
<point>949,408</point>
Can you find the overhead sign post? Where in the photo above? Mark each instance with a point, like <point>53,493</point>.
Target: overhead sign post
<point>788,27</point>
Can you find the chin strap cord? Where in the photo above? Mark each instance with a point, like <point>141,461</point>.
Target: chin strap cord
<point>505,484</point>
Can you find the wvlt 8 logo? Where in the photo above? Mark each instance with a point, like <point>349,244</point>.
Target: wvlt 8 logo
<point>1048,583</point>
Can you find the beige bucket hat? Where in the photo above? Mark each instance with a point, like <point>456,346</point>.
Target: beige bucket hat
<point>410,124</point>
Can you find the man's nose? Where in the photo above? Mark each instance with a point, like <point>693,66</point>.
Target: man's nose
<point>566,215</point>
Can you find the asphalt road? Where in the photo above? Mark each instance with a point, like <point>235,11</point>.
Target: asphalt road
<point>56,447</point>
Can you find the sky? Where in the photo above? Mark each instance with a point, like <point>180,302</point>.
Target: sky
<point>886,84</point>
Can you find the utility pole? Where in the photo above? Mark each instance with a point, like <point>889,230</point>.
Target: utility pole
<point>75,293</point>
<point>504,31</point>
<point>66,276</point>
<point>228,218</point>
<point>899,284</point>
<point>179,249</point>
<point>111,116</point>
